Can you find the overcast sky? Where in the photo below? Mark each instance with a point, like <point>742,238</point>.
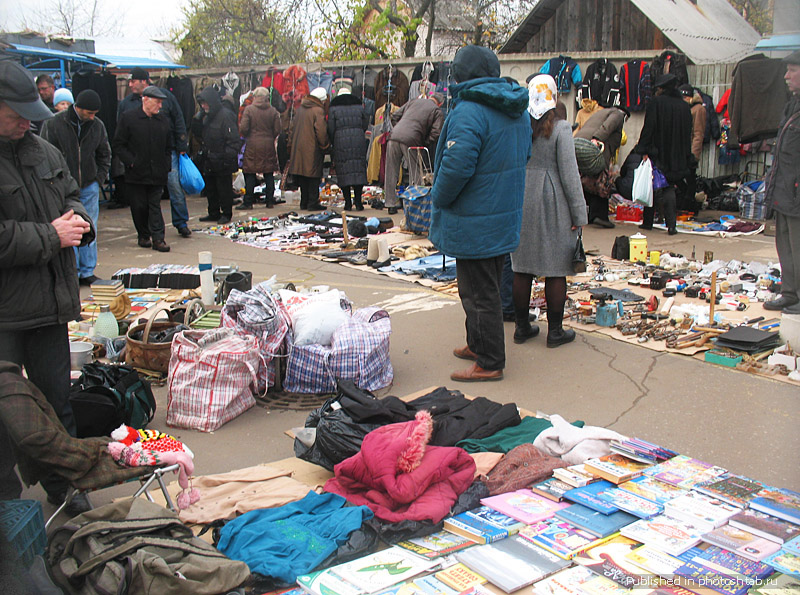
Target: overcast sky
<point>140,18</point>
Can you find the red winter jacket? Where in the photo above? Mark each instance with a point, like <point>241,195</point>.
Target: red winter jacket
<point>399,477</point>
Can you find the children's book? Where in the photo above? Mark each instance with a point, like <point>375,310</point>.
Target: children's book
<point>565,582</point>
<point>722,571</point>
<point>684,472</point>
<point>641,450</point>
<point>562,538</point>
<point>596,523</point>
<point>652,489</point>
<point>777,584</point>
<point>701,510</point>
<point>741,542</point>
<point>459,577</point>
<point>616,468</point>
<point>608,560</point>
<point>654,561</point>
<point>473,528</point>
<point>326,582</point>
<point>592,496</point>
<point>733,489</point>
<point>512,563</point>
<point>382,569</point>
<point>633,504</point>
<point>497,519</point>
<point>784,504</point>
<point>523,505</point>
<point>552,489</point>
<point>600,585</point>
<point>785,562</point>
<point>575,475</point>
<point>765,525</point>
<point>436,544</point>
<point>792,546</point>
<point>667,534</point>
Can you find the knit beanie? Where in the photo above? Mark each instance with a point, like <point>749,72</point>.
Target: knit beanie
<point>63,95</point>
<point>89,100</point>
<point>320,93</point>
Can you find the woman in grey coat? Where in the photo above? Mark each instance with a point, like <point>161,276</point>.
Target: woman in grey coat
<point>552,214</point>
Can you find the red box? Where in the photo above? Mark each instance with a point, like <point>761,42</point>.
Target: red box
<point>629,213</point>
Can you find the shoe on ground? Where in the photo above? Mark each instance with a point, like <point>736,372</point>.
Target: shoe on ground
<point>672,231</point>
<point>244,207</point>
<point>523,334</point>
<point>184,232</point>
<point>392,210</point>
<point>160,246</point>
<point>381,263</point>
<point>795,309</point>
<point>145,243</point>
<point>87,281</point>
<point>358,260</point>
<point>359,207</point>
<point>465,353</point>
<point>780,303</point>
<point>315,206</point>
<point>209,218</point>
<point>223,220</point>
<point>605,223</point>
<point>560,337</point>
<point>476,374</point>
<point>645,227</point>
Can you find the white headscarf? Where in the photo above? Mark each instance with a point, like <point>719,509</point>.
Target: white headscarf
<point>320,93</point>
<point>542,95</point>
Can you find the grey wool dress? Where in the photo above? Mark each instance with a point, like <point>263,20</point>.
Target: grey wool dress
<point>553,204</point>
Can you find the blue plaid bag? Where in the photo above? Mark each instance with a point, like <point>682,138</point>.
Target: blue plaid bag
<point>417,208</point>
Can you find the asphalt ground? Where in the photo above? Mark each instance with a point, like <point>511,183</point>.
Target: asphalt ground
<point>743,422</point>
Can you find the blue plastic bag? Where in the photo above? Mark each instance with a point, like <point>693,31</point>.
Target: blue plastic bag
<point>191,178</point>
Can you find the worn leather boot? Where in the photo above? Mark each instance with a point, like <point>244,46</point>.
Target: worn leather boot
<point>465,353</point>
<point>524,332</point>
<point>476,374</point>
<point>559,336</point>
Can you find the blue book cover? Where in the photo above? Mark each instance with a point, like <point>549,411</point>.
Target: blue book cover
<point>779,502</point>
<point>496,519</point>
<point>594,522</point>
<point>592,496</point>
<point>793,546</point>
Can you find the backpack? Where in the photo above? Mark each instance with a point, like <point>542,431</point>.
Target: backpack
<point>137,546</point>
<point>107,396</point>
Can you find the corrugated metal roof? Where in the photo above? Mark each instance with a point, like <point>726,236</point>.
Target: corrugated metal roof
<point>707,31</point>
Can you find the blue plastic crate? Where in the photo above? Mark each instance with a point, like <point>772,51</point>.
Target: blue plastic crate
<point>22,526</point>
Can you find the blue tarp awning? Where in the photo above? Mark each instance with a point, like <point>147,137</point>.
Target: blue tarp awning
<point>105,61</point>
<point>787,42</point>
<point>127,62</point>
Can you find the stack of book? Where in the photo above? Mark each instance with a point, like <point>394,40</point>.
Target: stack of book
<point>104,291</point>
<point>616,468</point>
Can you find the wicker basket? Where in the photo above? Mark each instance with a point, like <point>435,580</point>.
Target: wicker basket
<point>150,356</point>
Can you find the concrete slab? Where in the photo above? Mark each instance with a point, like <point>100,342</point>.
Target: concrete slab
<point>745,423</point>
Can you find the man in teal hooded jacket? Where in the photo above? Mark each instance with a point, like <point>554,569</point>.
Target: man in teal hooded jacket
<point>477,198</point>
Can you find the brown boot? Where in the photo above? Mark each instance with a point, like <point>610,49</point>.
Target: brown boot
<point>476,374</point>
<point>465,353</point>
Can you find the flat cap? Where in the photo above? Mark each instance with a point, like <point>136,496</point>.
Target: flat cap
<point>18,90</point>
<point>793,58</point>
<point>154,92</point>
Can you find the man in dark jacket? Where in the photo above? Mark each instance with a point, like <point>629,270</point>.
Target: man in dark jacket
<point>417,124</point>
<point>171,110</point>
<point>666,138</point>
<point>216,126</point>
<point>783,194</point>
<point>476,200</point>
<point>41,220</point>
<point>82,139</point>
<point>143,143</point>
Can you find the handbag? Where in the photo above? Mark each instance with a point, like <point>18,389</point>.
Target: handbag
<point>579,256</point>
<point>659,180</point>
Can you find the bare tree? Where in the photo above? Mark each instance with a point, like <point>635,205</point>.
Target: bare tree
<point>72,18</point>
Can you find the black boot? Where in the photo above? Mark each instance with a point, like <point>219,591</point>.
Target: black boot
<point>556,335</point>
<point>524,331</point>
<point>348,205</point>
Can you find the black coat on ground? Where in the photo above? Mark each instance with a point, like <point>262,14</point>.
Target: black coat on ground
<point>347,122</point>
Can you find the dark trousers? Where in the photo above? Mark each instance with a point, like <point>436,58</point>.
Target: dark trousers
<point>44,353</point>
<point>351,192</point>
<point>598,206</point>
<point>507,287</point>
<point>219,192</point>
<point>664,199</point>
<point>309,190</point>
<point>479,289</point>
<point>146,210</point>
<point>250,184</point>
<point>787,242</point>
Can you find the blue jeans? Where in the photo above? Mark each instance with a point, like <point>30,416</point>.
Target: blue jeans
<point>86,256</point>
<point>177,197</point>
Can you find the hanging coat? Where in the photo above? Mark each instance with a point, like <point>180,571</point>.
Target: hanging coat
<point>347,122</point>
<point>260,126</point>
<point>308,139</point>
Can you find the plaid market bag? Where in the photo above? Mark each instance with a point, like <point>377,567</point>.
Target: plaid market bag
<point>212,377</point>
<point>359,352</point>
<point>417,208</point>
<point>752,200</point>
<point>259,313</point>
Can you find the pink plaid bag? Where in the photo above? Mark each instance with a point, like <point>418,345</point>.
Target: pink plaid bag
<point>212,378</point>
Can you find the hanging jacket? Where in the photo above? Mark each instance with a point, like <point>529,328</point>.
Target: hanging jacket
<point>601,83</point>
<point>712,131</point>
<point>273,79</point>
<point>295,85</point>
<point>260,126</point>
<point>635,80</point>
<point>479,169</point>
<point>400,477</point>
<point>758,96</point>
<point>220,135</point>
<point>698,125</point>
<point>395,89</point>
<point>670,62</point>
<point>564,70</point>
